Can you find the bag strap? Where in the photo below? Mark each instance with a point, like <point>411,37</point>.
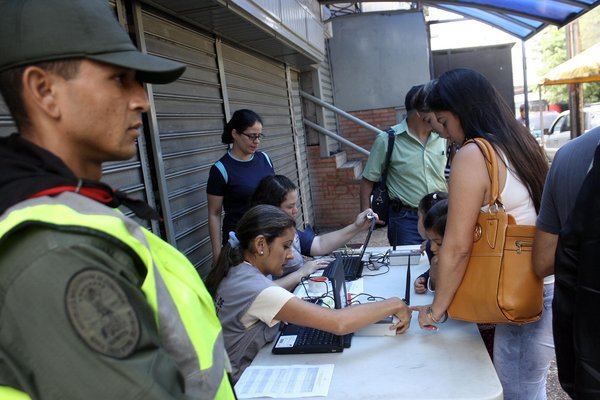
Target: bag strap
<point>491,163</point>
<point>388,154</point>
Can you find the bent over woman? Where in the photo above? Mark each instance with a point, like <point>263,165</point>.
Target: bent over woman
<point>250,305</point>
<point>468,107</point>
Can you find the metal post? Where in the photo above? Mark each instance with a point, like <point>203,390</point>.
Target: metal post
<point>575,95</point>
<point>525,88</point>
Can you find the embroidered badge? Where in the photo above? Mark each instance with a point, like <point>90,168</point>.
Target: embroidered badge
<point>101,313</point>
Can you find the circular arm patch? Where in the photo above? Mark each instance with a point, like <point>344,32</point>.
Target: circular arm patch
<point>101,313</point>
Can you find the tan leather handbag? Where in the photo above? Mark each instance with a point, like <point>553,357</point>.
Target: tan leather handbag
<point>499,285</point>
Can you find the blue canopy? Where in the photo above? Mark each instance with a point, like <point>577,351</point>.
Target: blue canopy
<point>520,18</point>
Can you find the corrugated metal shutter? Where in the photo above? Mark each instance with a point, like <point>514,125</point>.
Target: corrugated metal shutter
<point>327,93</point>
<point>302,156</point>
<point>260,85</point>
<point>7,125</point>
<point>190,118</point>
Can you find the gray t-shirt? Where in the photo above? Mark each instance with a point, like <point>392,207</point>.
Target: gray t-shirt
<point>564,181</point>
<point>235,295</point>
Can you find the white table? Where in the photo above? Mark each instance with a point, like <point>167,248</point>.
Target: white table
<point>452,363</point>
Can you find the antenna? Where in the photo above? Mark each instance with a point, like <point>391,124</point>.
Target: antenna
<point>407,288</point>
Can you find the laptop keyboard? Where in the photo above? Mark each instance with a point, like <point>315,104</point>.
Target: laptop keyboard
<point>351,265</point>
<point>311,336</point>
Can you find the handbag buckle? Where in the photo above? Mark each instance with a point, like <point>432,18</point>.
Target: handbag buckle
<point>520,244</point>
<point>495,207</point>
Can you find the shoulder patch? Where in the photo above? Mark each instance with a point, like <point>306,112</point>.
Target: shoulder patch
<point>101,313</point>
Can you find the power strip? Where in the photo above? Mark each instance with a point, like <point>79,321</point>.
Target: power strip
<point>400,257</point>
<point>379,328</point>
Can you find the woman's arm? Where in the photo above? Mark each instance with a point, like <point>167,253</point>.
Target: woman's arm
<point>469,187</point>
<point>215,207</point>
<point>290,281</point>
<point>325,244</point>
<point>346,320</point>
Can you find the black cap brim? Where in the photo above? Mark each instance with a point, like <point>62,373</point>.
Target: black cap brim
<point>149,68</point>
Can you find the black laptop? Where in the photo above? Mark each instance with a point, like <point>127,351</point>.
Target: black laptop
<point>352,264</point>
<point>295,339</point>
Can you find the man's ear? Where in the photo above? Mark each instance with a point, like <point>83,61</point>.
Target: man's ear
<point>39,91</point>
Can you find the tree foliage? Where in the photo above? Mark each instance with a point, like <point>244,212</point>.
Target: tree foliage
<point>551,45</point>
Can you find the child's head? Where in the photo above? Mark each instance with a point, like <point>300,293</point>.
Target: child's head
<point>263,237</point>
<point>434,224</point>
<point>278,191</point>
<point>428,201</point>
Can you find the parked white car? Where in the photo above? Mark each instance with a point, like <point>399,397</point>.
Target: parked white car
<point>536,127</point>
<point>560,130</point>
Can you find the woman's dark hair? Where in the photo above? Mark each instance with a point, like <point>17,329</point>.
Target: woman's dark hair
<point>483,113</point>
<point>435,219</point>
<point>266,220</point>
<point>240,121</point>
<point>430,199</point>
<point>272,190</point>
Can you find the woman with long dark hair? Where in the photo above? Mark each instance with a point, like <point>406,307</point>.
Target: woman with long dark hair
<point>468,107</point>
<point>250,305</point>
<point>234,177</point>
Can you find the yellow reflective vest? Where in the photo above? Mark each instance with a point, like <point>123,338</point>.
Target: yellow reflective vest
<point>172,287</point>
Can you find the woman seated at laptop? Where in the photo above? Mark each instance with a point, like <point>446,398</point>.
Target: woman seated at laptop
<point>280,191</point>
<point>250,305</point>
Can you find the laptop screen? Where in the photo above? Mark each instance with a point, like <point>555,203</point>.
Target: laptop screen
<point>366,243</point>
<point>338,283</point>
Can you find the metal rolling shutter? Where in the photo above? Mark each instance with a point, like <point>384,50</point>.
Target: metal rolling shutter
<point>261,85</point>
<point>7,126</point>
<point>326,92</point>
<point>189,115</point>
<point>301,153</point>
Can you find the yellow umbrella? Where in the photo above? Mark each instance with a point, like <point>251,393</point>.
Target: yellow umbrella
<point>584,67</point>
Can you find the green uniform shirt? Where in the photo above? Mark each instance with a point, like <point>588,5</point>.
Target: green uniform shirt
<point>36,266</point>
<point>415,170</point>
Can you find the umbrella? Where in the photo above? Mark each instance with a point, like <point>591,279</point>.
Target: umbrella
<point>584,67</point>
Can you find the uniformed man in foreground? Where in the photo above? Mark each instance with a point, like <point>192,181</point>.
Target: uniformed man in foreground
<point>92,305</point>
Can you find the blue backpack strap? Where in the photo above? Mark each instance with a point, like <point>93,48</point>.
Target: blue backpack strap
<point>223,171</point>
<point>268,159</point>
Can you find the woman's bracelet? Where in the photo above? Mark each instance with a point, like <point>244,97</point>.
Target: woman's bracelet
<point>442,319</point>
<point>429,286</point>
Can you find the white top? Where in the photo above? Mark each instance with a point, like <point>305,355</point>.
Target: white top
<point>516,199</point>
<point>266,305</point>
<point>518,203</point>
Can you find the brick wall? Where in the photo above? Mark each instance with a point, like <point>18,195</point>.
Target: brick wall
<point>335,191</point>
<point>381,118</point>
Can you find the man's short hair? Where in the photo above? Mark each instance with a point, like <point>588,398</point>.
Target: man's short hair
<point>409,100</point>
<point>11,86</point>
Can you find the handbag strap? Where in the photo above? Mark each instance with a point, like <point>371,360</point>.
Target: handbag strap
<point>388,154</point>
<point>491,163</point>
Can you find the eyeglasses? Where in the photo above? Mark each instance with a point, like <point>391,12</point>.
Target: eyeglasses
<point>254,136</point>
